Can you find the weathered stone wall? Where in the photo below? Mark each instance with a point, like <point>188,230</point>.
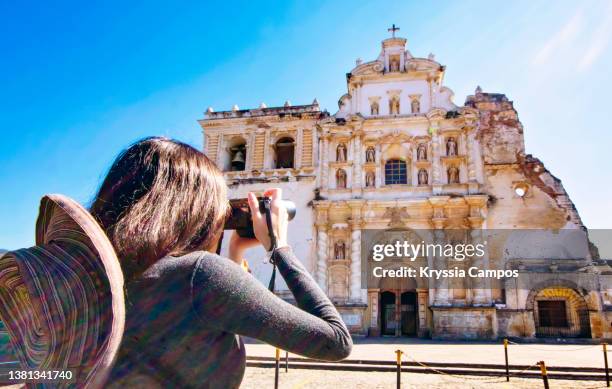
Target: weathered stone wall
<point>464,323</point>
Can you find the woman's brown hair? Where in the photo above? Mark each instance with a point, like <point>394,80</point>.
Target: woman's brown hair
<point>160,197</point>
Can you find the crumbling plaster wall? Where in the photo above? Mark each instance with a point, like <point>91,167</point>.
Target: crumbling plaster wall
<point>545,204</point>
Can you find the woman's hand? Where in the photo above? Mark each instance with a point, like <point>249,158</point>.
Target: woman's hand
<point>238,245</point>
<point>280,219</point>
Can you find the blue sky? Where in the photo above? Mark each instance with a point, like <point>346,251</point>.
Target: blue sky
<point>80,81</point>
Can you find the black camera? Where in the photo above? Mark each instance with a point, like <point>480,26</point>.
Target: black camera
<point>240,218</point>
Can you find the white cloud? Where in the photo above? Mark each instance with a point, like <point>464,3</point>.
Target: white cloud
<point>598,43</point>
<point>560,39</point>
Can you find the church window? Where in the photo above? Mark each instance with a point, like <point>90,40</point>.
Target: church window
<point>396,172</point>
<point>285,150</point>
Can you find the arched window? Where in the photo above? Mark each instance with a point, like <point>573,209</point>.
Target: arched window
<point>236,156</point>
<point>285,150</point>
<point>396,172</point>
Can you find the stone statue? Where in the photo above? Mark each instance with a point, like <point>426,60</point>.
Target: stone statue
<point>394,106</point>
<point>370,179</point>
<point>415,106</point>
<point>423,177</point>
<point>451,147</point>
<point>453,175</point>
<point>374,108</point>
<point>341,153</point>
<point>422,152</point>
<point>339,250</point>
<point>370,154</point>
<point>340,179</point>
<point>394,65</point>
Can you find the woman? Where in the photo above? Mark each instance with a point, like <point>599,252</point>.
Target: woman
<point>163,205</point>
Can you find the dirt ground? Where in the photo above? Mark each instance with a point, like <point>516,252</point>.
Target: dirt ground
<point>424,350</point>
<point>260,378</point>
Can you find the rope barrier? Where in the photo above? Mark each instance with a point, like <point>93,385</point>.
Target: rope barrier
<point>480,379</point>
<point>553,350</point>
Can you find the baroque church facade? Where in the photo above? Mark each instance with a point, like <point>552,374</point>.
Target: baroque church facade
<point>400,154</point>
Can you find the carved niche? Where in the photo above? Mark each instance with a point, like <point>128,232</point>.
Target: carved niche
<point>370,154</point>
<point>341,153</point>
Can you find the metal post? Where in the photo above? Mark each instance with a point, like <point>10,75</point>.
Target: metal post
<point>276,368</point>
<point>605,352</point>
<point>399,367</point>
<point>506,354</point>
<point>544,374</point>
<point>286,361</point>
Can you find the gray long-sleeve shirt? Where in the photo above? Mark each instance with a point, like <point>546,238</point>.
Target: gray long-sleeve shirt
<point>184,316</point>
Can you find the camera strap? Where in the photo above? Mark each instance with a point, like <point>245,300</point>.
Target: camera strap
<point>267,205</point>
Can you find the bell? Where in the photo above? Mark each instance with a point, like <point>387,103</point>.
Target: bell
<point>238,161</point>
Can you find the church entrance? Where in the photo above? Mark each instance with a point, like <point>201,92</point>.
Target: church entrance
<point>398,313</point>
<point>409,313</point>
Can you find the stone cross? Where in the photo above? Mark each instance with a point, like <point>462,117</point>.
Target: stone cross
<point>392,30</point>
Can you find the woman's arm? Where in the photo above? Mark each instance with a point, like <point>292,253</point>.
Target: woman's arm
<point>229,299</point>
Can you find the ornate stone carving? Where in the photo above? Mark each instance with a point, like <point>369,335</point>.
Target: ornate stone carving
<point>341,179</point>
<point>370,154</point>
<point>415,105</point>
<point>396,216</point>
<point>422,152</point>
<point>322,257</point>
<point>451,147</point>
<point>374,108</point>
<point>370,179</point>
<point>453,175</point>
<point>355,289</point>
<point>394,105</point>
<point>341,153</point>
<point>423,177</point>
<point>340,250</point>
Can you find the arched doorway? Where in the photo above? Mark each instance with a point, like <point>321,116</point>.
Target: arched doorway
<point>388,320</point>
<point>409,313</point>
<point>560,312</point>
<point>398,313</point>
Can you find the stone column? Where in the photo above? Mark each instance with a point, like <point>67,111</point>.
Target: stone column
<point>325,162</point>
<point>479,285</point>
<point>481,288</point>
<point>299,146</point>
<point>422,300</point>
<point>322,251</point>
<point>250,157</point>
<point>357,157</point>
<point>355,289</point>
<point>220,151</point>
<point>442,295</point>
<point>379,176</point>
<point>470,155</point>
<point>435,158</point>
<point>268,152</point>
